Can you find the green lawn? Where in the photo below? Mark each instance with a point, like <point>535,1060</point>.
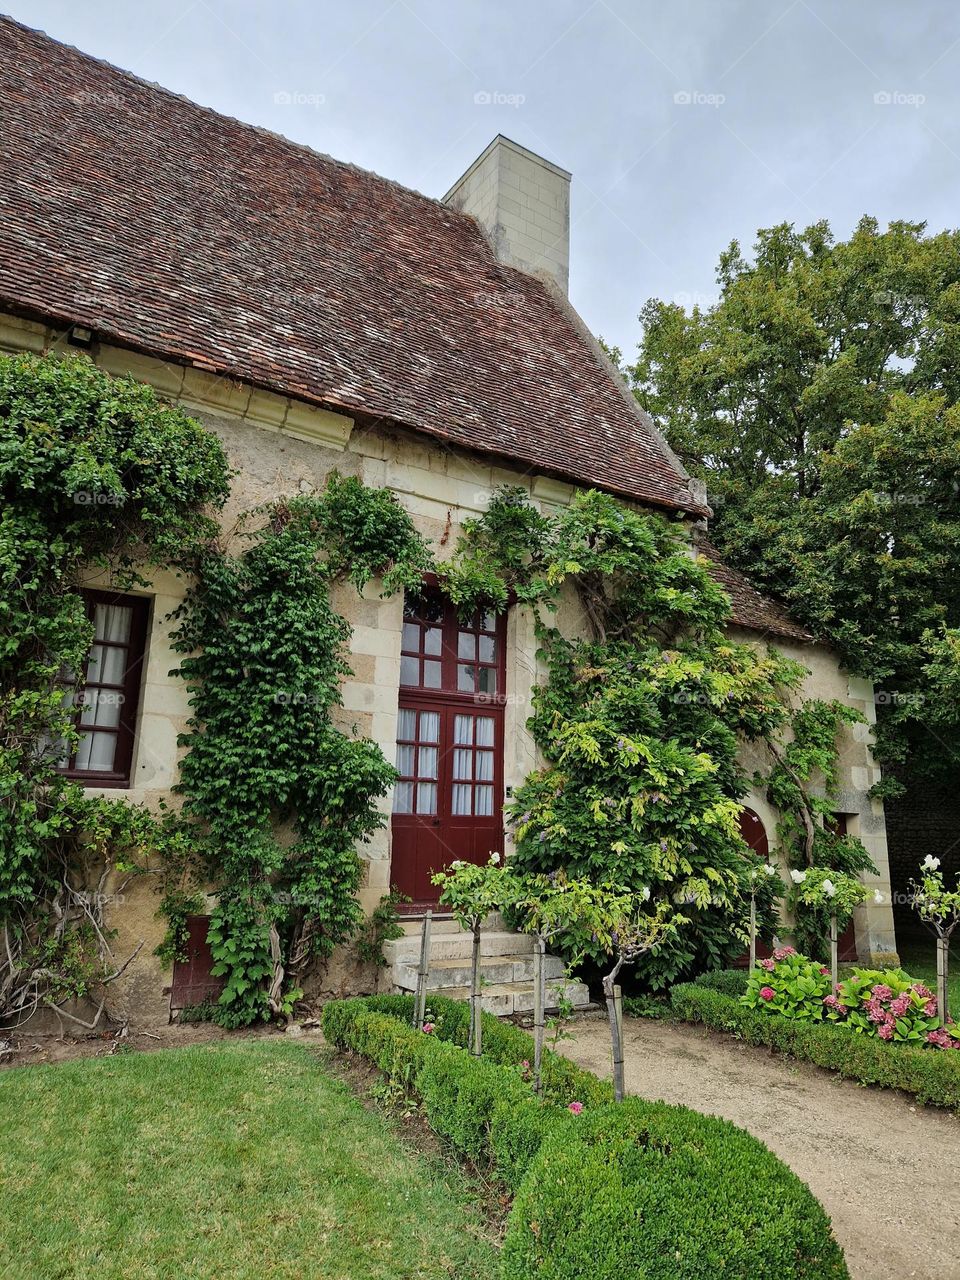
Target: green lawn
<point>235,1160</point>
<point>919,959</point>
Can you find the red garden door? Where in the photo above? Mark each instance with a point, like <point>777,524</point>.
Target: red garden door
<point>448,803</point>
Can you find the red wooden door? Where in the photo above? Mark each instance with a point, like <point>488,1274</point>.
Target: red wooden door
<point>448,803</point>
<point>192,981</point>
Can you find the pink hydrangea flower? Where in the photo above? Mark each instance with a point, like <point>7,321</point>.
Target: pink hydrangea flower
<point>575,1107</point>
<point>767,993</point>
<point>923,992</point>
<point>886,1031</point>
<point>876,1012</point>
<point>900,1006</point>
<point>428,1028</point>
<point>881,992</point>
<point>769,965</point>
<point>781,953</point>
<point>831,1002</point>
<point>930,1008</point>
<point>939,1038</point>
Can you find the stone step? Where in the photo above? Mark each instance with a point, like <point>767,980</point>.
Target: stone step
<point>457,946</point>
<point>443,923</point>
<point>503,999</point>
<point>459,972</point>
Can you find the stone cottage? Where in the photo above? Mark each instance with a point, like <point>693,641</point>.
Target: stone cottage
<point>316,316</point>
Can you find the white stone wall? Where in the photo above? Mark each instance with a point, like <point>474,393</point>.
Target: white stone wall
<point>523,203</point>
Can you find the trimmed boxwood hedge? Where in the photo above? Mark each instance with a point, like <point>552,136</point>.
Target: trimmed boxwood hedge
<point>635,1191</point>
<point>932,1075</point>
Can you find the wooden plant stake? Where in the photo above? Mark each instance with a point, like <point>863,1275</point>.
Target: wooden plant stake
<point>834,963</point>
<point>611,992</point>
<point>753,927</point>
<point>943,942</point>
<point>539,1000</point>
<point>423,973</point>
<point>476,1005</point>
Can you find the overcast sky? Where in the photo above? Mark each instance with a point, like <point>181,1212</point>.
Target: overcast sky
<point>685,123</point>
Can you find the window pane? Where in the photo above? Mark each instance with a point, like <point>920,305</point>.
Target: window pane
<point>405,761</point>
<point>466,645</point>
<point>407,724</point>
<point>485,766</point>
<point>463,764</point>
<point>432,639</point>
<point>466,679</point>
<point>461,799</point>
<point>429,726</point>
<point>411,637</point>
<point>426,797</point>
<point>488,679</point>
<point>100,707</point>
<point>484,801</point>
<point>484,731</point>
<point>96,751</point>
<point>410,671</point>
<point>488,622</point>
<point>463,730</point>
<point>431,674</point>
<point>487,648</point>
<point>105,665</point>
<point>112,622</point>
<point>428,762</point>
<point>403,797</point>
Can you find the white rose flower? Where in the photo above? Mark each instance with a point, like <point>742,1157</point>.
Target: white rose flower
<point>770,869</point>
<point>645,894</point>
<point>930,863</point>
<point>494,859</point>
<point>829,888</point>
<point>798,877</point>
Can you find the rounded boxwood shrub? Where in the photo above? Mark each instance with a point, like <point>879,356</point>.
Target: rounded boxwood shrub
<point>656,1191</point>
<point>732,982</point>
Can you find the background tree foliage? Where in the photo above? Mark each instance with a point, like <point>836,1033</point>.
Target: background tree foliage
<point>818,399</point>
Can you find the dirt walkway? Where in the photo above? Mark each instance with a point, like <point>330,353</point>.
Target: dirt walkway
<point>886,1170</point>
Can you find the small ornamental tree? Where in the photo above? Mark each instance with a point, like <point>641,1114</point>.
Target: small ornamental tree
<point>551,908</point>
<point>834,893</point>
<point>938,907</point>
<point>765,883</point>
<point>472,892</point>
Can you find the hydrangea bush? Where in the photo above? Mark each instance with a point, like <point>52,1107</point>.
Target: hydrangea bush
<point>886,1004</point>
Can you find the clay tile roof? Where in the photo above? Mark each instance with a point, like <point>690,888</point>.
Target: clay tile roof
<point>185,234</point>
<point>750,609</point>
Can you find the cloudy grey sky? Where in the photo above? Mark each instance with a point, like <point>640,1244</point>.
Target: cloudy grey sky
<point>685,122</point>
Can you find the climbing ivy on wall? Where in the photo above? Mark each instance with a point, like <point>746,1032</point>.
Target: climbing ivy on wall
<point>641,721</point>
<point>281,795</point>
<point>94,472</point>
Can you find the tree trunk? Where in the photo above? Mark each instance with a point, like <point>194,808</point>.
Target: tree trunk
<point>423,973</point>
<point>476,1008</point>
<point>834,959</point>
<point>612,992</point>
<point>539,1000</point>
<point>753,930</point>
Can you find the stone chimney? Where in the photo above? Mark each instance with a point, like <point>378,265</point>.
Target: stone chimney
<point>523,203</point>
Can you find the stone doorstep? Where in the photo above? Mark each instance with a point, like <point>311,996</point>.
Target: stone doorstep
<point>444,922</point>
<point>506,998</point>
<point>494,970</point>
<point>457,946</point>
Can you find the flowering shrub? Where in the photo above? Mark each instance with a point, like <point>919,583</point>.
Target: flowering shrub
<point>883,1003</point>
<point>788,984</point>
<point>892,1006</point>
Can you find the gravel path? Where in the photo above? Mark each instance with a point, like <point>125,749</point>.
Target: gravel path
<point>885,1169</point>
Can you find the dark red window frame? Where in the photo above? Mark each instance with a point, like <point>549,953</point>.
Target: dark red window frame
<point>129,687</point>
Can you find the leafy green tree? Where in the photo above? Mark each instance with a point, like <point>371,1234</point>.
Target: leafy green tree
<point>818,399</point>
